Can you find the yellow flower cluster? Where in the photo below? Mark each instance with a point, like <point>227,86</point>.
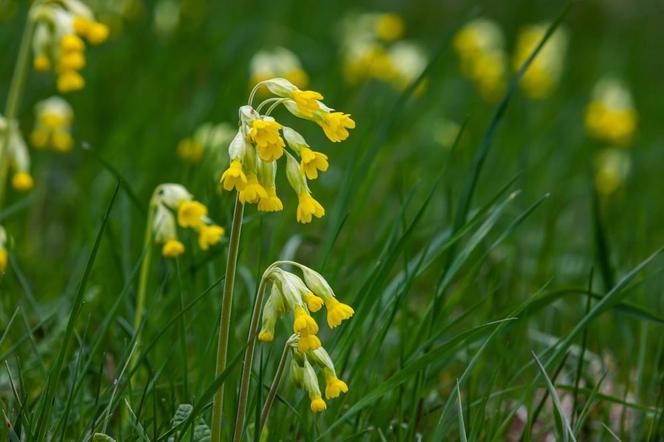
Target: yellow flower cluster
<point>60,28</point>
<point>372,50</point>
<point>291,294</point>
<point>610,115</point>
<point>277,62</point>
<point>171,202</point>
<point>208,140</point>
<point>261,141</point>
<point>17,152</point>
<point>543,74</point>
<point>480,46</point>
<point>52,129</point>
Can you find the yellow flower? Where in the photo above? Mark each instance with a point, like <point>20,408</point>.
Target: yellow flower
<point>41,63</point>
<point>209,235</point>
<point>172,248</point>
<point>614,126</point>
<point>303,323</point>
<point>3,260</point>
<point>265,134</point>
<point>234,177</point>
<point>307,207</point>
<point>306,101</point>
<point>265,336</point>
<point>318,404</point>
<point>190,150</point>
<point>191,214</point>
<point>389,27</point>
<point>72,61</point>
<point>71,43</point>
<point>62,141</point>
<point>69,81</point>
<point>314,303</point>
<point>334,387</point>
<point>308,343</point>
<point>22,181</point>
<point>253,191</point>
<point>337,312</point>
<point>272,203</point>
<point>97,33</point>
<point>312,162</point>
<point>336,125</point>
<point>298,77</point>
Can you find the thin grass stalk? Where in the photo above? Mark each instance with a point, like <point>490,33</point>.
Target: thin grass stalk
<point>225,320</point>
<point>269,400</point>
<point>248,360</point>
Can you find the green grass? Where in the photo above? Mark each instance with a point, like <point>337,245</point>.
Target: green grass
<point>497,297</point>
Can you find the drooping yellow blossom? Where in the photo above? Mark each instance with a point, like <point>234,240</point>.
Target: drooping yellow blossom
<point>308,342</point>
<point>94,32</point>
<point>53,119</point>
<point>314,303</point>
<point>612,167</point>
<point>610,115</point>
<point>337,312</point>
<point>234,177</point>
<point>253,191</point>
<point>308,207</point>
<point>543,74</point>
<point>311,162</point>
<point>334,387</point>
<point>209,235</point>
<point>335,125</point>
<point>318,404</point>
<point>306,101</point>
<point>303,322</point>
<point>191,214</point>
<point>4,258</point>
<point>265,134</point>
<point>172,248</point>
<point>265,336</point>
<point>22,181</point>
<point>272,203</point>
<point>480,47</point>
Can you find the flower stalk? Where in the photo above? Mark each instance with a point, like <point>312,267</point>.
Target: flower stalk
<point>225,321</point>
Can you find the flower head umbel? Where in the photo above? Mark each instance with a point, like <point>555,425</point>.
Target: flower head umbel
<point>53,121</point>
<point>18,156</point>
<point>611,116</point>
<point>173,205</point>
<point>481,49</point>
<point>261,141</point>
<point>60,28</point>
<point>371,49</point>
<point>543,74</point>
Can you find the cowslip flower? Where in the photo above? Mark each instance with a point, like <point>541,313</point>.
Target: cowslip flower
<point>173,205</point>
<point>302,297</point>
<point>53,119</point>
<point>4,257</point>
<point>480,47</point>
<point>611,116</point>
<point>277,62</point>
<point>17,154</point>
<point>261,141</point>
<point>58,40</point>
<point>612,167</point>
<point>542,76</point>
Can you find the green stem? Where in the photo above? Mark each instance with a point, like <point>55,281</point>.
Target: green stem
<point>248,359</point>
<point>225,320</point>
<point>14,99</point>
<point>269,400</point>
<point>142,286</point>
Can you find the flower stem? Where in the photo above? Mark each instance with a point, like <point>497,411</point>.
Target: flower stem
<point>269,400</point>
<point>142,287</point>
<point>14,99</point>
<point>248,360</point>
<point>225,320</point>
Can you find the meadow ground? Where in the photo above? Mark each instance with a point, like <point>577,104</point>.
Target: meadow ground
<point>496,231</point>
